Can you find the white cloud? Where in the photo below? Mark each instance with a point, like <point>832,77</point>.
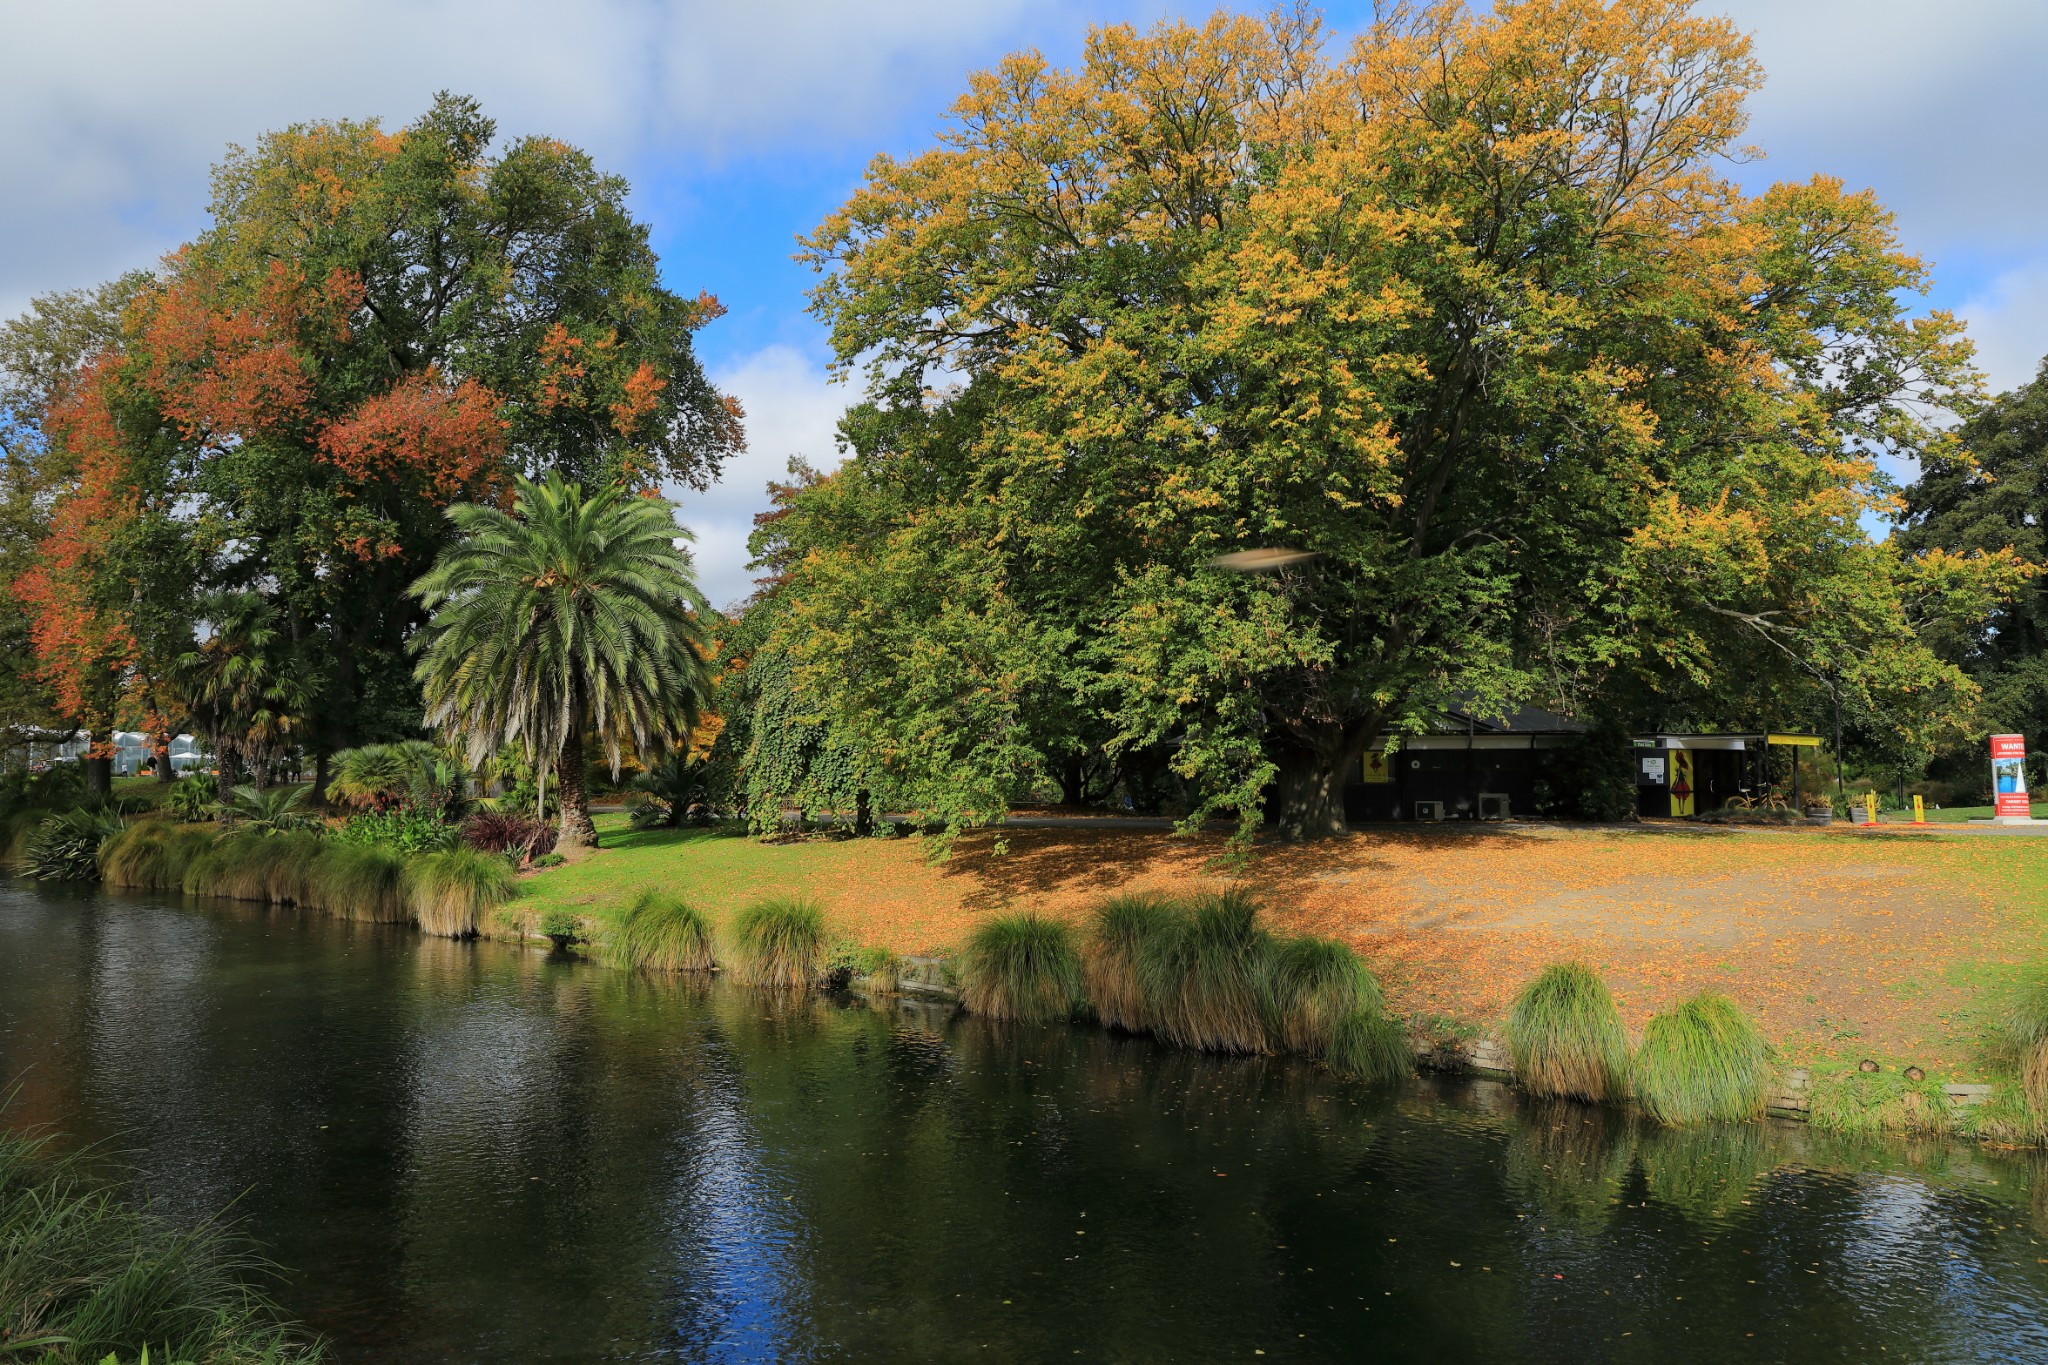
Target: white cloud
<point>792,409</point>
<point>114,109</point>
<point>2009,323</point>
<point>1939,107</point>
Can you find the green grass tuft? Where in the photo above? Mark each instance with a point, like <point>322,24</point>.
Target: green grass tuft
<point>1701,1061</point>
<point>1203,983</point>
<point>1322,1002</point>
<point>2024,1043</point>
<point>1123,926</point>
<point>1021,967</point>
<point>779,943</point>
<point>359,882</point>
<point>449,890</point>
<point>1860,1103</point>
<point>152,855</point>
<point>660,933</point>
<point>98,1278</point>
<point>1564,1036</point>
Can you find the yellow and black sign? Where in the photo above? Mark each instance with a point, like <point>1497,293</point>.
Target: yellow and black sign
<point>1681,782</point>
<point>1377,766</point>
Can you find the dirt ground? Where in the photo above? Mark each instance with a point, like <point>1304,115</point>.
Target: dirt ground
<point>1837,941</point>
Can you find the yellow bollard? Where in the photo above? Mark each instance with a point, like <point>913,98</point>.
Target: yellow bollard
<point>1919,809</point>
<point>1870,806</point>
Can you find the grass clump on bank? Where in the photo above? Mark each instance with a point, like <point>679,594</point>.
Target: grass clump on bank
<point>1123,926</point>
<point>2024,1043</point>
<point>1203,982</point>
<point>1324,1003</point>
<point>660,933</point>
<point>450,889</point>
<point>1864,1103</point>
<point>359,882</point>
<point>1700,1061</point>
<point>1021,967</point>
<point>779,943</point>
<point>86,1276</point>
<point>1565,1038</point>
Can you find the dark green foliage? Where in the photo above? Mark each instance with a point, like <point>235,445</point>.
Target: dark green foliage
<point>779,943</point>
<point>451,889</point>
<point>94,1278</point>
<point>1204,983</point>
<point>660,933</point>
<point>1021,967</point>
<point>676,790</point>
<point>66,846</point>
<point>1565,1036</point>
<point>1122,927</point>
<point>403,829</point>
<point>192,798</point>
<point>1700,1061</point>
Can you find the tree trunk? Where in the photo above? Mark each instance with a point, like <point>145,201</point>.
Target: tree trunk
<point>863,813</point>
<point>1073,782</point>
<point>164,771</point>
<point>320,775</point>
<point>1308,793</point>
<point>577,829</point>
<point>99,775</point>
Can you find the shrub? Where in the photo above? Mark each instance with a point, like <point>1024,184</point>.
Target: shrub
<point>779,943</point>
<point>192,799</point>
<point>660,933</point>
<point>273,810</point>
<point>241,866</point>
<point>1021,967</point>
<point>1203,984</point>
<point>1123,926</point>
<point>505,831</point>
<point>136,857</point>
<point>94,1278</point>
<point>1564,1036</point>
<point>402,828</point>
<point>1700,1061</point>
<point>66,846</point>
<point>449,890</point>
<point>360,882</point>
<point>878,970</point>
<point>377,777</point>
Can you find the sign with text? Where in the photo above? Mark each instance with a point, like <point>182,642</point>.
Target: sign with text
<point>2009,776</point>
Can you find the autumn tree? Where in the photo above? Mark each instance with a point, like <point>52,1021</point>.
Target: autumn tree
<point>374,326</point>
<point>1470,312</point>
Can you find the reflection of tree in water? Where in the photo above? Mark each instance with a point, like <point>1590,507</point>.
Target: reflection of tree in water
<point>1570,1160</point>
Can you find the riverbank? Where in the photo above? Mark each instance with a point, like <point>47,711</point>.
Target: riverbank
<point>1844,945</point>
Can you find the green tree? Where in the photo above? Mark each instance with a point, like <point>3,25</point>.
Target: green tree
<point>1990,495</point>
<point>1469,314</point>
<point>240,683</point>
<point>568,616</point>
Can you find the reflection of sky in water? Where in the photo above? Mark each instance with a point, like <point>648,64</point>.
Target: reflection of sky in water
<point>736,1231</point>
<point>1903,1236</point>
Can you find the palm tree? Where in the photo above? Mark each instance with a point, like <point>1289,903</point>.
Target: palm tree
<point>237,688</point>
<point>568,616</point>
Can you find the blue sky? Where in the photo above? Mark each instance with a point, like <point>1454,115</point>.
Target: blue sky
<point>740,126</point>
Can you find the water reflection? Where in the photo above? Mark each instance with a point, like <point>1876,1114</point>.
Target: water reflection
<point>470,1152</point>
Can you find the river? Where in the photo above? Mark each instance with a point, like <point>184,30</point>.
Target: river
<point>470,1152</point>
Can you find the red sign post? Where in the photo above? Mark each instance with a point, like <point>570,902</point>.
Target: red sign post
<point>2009,777</point>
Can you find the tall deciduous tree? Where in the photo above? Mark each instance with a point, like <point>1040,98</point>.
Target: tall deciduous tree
<point>373,326</point>
<point>1469,311</point>
<point>570,615</point>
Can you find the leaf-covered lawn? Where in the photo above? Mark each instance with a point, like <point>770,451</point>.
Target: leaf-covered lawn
<point>1842,943</point>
